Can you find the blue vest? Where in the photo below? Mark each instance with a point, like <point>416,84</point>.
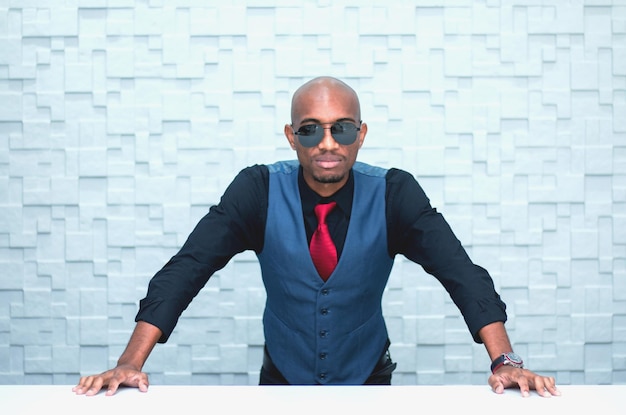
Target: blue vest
<point>329,332</point>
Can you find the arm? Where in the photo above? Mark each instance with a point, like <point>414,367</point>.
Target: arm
<point>128,370</point>
<point>236,224</point>
<point>420,233</point>
<point>496,339</point>
<point>497,342</point>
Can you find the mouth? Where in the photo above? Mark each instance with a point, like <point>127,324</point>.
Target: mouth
<point>327,161</point>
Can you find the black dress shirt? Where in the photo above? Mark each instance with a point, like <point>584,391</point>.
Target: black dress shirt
<point>237,223</point>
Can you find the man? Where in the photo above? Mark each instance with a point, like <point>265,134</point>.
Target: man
<point>323,320</point>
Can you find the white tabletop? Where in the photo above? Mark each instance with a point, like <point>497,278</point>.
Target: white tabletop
<point>345,400</point>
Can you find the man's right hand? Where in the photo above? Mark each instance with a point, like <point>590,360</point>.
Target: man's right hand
<point>128,370</point>
<point>122,375</point>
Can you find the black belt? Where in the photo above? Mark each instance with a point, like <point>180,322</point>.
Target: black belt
<point>383,368</point>
<point>268,364</point>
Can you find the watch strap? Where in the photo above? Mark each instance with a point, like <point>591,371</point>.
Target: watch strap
<point>510,359</point>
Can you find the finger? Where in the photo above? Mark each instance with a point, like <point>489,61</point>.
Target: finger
<point>140,380</point>
<point>540,387</point>
<point>496,384</point>
<point>144,383</point>
<point>79,386</point>
<point>550,387</point>
<point>95,386</point>
<point>524,388</point>
<point>553,389</point>
<point>143,386</point>
<point>114,384</point>
<point>83,385</point>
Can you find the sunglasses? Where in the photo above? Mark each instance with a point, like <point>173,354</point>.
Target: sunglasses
<point>344,133</point>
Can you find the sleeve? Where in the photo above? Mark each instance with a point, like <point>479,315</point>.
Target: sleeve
<point>236,224</point>
<point>421,234</point>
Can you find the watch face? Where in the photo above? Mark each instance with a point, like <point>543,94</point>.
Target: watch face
<point>513,358</point>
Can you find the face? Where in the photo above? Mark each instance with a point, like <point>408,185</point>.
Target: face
<point>325,166</point>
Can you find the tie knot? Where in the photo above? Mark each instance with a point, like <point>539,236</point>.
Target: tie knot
<point>323,209</point>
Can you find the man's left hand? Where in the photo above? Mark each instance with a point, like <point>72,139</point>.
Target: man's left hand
<point>510,377</point>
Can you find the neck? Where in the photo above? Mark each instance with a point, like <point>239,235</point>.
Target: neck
<point>325,189</point>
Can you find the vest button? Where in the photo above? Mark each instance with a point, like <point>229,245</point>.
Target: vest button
<point>323,333</point>
<point>322,375</point>
<point>324,311</point>
<point>323,356</point>
<point>325,291</point>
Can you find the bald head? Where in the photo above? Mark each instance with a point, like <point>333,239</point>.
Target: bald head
<point>325,159</point>
<point>315,91</point>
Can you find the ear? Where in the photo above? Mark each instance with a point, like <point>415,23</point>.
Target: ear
<point>291,137</point>
<point>362,134</point>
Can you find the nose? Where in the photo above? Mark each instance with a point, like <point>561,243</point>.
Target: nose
<point>328,141</point>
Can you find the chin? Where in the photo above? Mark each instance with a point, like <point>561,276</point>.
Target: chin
<point>327,179</point>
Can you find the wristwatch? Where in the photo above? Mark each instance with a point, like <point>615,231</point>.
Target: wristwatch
<point>510,359</point>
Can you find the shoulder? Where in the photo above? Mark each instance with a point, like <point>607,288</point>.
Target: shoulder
<point>254,176</point>
<point>398,176</point>
<point>255,171</point>
<point>403,187</point>
<point>392,175</point>
<point>286,167</point>
<point>369,170</point>
<point>396,180</point>
<point>249,182</point>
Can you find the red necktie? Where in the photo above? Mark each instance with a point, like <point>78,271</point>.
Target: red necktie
<point>322,248</point>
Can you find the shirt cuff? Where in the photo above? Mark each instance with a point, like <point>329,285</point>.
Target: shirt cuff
<point>159,313</point>
<point>484,312</point>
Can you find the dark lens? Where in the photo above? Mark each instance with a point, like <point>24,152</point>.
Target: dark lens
<point>344,132</point>
<point>307,130</point>
<point>310,135</point>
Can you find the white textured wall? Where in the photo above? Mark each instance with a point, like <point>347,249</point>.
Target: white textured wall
<point>122,121</point>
